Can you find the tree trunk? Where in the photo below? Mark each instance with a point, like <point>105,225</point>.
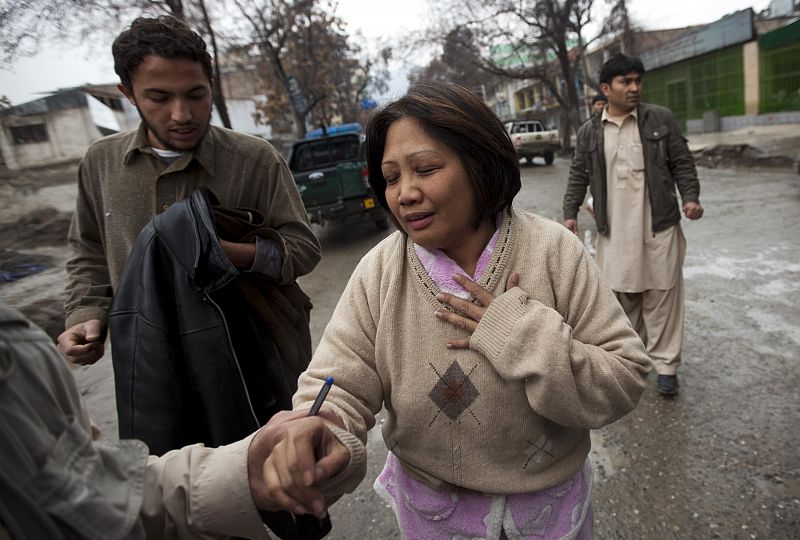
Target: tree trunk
<point>300,124</point>
<point>176,8</point>
<point>218,96</point>
<point>566,129</point>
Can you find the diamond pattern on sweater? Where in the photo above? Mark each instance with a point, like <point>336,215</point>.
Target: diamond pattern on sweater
<point>454,392</point>
<point>536,451</point>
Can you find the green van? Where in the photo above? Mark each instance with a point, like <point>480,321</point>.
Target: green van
<point>330,170</point>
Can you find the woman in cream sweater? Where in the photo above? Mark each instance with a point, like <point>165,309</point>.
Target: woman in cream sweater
<point>486,332</point>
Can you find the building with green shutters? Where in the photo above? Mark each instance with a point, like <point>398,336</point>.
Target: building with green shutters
<point>734,72</point>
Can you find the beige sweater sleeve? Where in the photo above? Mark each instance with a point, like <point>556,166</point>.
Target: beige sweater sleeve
<point>348,479</point>
<point>582,363</point>
<point>347,353</point>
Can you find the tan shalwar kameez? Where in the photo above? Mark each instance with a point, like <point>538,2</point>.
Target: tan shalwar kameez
<point>645,269</point>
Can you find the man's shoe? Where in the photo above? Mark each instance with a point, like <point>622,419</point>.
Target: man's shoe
<point>668,385</point>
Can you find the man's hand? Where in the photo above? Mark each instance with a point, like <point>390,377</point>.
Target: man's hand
<point>289,457</point>
<point>571,224</point>
<point>693,210</point>
<point>240,254</point>
<point>83,344</point>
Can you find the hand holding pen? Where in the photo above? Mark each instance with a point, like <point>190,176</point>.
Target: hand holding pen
<point>308,454</point>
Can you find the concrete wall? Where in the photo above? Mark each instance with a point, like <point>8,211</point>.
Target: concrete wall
<point>7,149</point>
<point>751,78</point>
<point>241,112</point>
<point>69,132</point>
<point>730,123</point>
<point>244,80</point>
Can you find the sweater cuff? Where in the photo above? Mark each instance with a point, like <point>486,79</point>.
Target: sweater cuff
<point>221,496</point>
<point>84,314</point>
<point>281,252</point>
<point>268,259</point>
<point>497,324</point>
<point>349,478</point>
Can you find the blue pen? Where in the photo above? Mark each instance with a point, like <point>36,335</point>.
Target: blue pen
<point>321,397</point>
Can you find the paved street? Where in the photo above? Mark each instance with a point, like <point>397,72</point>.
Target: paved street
<point>720,460</point>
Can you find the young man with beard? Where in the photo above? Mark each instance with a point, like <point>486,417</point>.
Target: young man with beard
<point>127,178</point>
<point>632,156</point>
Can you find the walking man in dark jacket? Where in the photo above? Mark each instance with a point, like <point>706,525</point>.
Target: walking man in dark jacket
<point>632,156</point>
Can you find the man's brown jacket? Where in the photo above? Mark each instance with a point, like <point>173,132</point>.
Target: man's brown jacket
<point>667,163</point>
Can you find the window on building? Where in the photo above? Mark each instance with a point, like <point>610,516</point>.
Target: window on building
<point>32,133</point>
<point>524,99</point>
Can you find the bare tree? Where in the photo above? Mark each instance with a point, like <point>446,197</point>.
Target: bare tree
<point>619,23</point>
<point>457,62</point>
<point>307,49</point>
<point>539,40</point>
<point>368,76</point>
<point>26,25</point>
<point>218,95</point>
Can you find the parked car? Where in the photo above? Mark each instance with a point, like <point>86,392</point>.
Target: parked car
<point>531,139</point>
<point>330,170</point>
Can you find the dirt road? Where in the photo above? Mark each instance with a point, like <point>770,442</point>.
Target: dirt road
<point>719,461</point>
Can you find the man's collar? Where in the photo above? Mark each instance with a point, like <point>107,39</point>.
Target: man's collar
<point>138,143</point>
<point>204,153</point>
<point>634,112</point>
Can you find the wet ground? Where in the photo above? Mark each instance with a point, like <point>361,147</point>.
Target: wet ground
<point>721,460</point>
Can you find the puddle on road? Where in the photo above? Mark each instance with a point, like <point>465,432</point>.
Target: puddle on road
<point>769,322</point>
<point>776,287</point>
<point>779,488</point>
<point>606,458</point>
<point>775,260</point>
<point>722,267</point>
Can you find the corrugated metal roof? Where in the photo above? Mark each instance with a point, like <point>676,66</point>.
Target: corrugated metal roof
<point>69,99</point>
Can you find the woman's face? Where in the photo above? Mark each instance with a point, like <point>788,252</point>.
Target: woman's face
<point>428,190</point>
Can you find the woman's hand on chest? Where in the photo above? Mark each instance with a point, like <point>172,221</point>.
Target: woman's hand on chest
<point>467,314</point>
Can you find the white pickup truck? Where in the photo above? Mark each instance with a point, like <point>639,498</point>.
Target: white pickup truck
<point>531,139</point>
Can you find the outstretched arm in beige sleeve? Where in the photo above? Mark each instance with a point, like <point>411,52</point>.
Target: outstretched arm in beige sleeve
<point>210,492</point>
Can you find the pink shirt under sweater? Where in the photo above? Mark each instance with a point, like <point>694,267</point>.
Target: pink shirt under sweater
<point>422,512</point>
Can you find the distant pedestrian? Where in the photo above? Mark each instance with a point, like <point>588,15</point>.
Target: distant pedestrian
<point>599,102</point>
<point>632,156</point>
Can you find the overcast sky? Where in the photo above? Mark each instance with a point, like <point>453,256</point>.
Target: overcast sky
<point>377,19</point>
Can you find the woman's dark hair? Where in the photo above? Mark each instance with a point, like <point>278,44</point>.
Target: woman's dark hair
<point>620,64</point>
<point>163,36</point>
<point>456,117</point>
